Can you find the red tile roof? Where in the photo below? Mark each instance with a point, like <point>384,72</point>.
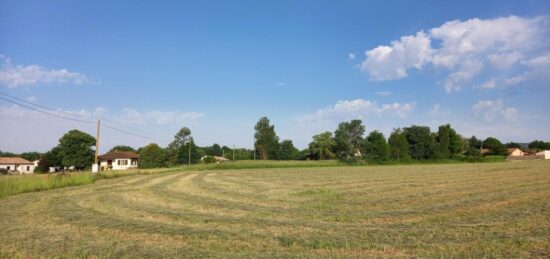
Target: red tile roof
<point>14,161</point>
<point>118,155</point>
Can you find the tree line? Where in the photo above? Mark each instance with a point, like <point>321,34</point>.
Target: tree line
<point>349,142</point>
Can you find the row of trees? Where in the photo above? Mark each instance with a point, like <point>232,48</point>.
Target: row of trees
<point>349,143</point>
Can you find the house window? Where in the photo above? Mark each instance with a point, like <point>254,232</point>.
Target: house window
<point>28,168</point>
<point>123,162</point>
<point>8,168</point>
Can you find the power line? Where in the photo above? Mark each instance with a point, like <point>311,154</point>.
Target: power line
<point>48,113</point>
<point>57,110</point>
<point>69,118</point>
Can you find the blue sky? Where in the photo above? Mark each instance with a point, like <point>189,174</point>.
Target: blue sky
<point>217,67</point>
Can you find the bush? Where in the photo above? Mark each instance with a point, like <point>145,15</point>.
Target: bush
<point>208,160</point>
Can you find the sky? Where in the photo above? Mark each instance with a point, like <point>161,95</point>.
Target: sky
<point>218,66</point>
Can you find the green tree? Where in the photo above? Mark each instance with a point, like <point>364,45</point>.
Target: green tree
<point>122,148</point>
<point>216,150</point>
<point>349,137</point>
<point>287,151</point>
<point>399,147</point>
<point>322,146</point>
<point>152,156</point>
<point>538,145</point>
<point>475,142</point>
<point>183,153</point>
<point>376,147</point>
<point>496,148</point>
<point>422,144</point>
<point>181,137</point>
<point>513,145</point>
<point>30,156</point>
<point>49,159</point>
<point>75,149</point>
<point>444,141</point>
<point>266,141</point>
<point>456,142</point>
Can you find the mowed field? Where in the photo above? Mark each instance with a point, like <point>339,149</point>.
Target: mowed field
<point>447,210</point>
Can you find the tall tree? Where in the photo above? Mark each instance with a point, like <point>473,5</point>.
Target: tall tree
<point>183,153</point>
<point>266,141</point>
<point>182,136</point>
<point>376,147</point>
<point>152,156</point>
<point>444,141</point>
<point>422,144</point>
<point>287,151</point>
<point>475,142</point>
<point>216,150</point>
<point>538,145</point>
<point>456,142</point>
<point>75,149</point>
<point>399,147</point>
<point>495,147</point>
<point>348,137</point>
<point>323,145</point>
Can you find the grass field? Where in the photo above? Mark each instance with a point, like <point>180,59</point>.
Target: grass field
<point>439,210</point>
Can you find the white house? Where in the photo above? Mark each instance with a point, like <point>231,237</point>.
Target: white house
<point>545,153</point>
<point>118,160</point>
<point>17,164</point>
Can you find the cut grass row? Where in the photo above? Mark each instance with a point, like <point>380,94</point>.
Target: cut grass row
<point>444,210</point>
<point>17,184</point>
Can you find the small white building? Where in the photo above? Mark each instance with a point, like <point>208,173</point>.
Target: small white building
<point>17,164</point>
<point>545,153</point>
<point>118,160</point>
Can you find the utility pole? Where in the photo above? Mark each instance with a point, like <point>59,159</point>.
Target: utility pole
<point>233,152</point>
<point>95,165</point>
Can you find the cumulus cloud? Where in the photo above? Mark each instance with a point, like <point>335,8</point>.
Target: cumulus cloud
<point>357,109</point>
<point>464,49</point>
<point>494,110</point>
<point>392,62</point>
<point>18,75</point>
<point>351,56</point>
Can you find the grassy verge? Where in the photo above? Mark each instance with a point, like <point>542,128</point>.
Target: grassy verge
<point>16,184</point>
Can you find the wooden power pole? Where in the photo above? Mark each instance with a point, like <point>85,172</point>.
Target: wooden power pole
<point>97,141</point>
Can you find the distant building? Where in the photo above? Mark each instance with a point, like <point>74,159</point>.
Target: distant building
<point>515,152</point>
<point>118,160</point>
<point>17,164</point>
<point>545,153</point>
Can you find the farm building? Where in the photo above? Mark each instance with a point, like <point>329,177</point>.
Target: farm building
<point>545,153</point>
<point>118,160</point>
<point>17,164</point>
<point>515,152</point>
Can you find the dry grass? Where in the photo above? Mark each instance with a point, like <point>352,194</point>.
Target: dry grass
<point>447,210</point>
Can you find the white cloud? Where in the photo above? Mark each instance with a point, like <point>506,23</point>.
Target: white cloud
<point>494,110</point>
<point>491,83</point>
<point>17,75</point>
<point>351,56</point>
<point>280,83</point>
<point>464,49</point>
<point>356,109</point>
<point>392,62</point>
<point>436,111</point>
<point>31,99</point>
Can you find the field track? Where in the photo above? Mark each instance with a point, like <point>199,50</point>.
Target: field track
<point>450,210</point>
